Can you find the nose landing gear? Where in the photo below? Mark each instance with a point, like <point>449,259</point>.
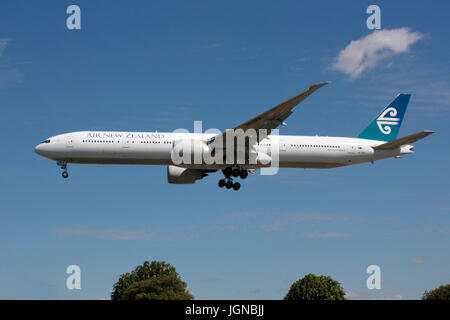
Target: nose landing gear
<point>63,165</point>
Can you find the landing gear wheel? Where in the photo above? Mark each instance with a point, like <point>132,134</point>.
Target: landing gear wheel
<point>243,174</point>
<point>229,184</point>
<point>227,172</point>
<point>63,165</point>
<point>221,183</point>
<point>236,173</point>
<point>236,186</point>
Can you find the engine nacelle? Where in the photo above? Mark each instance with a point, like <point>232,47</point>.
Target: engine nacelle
<point>263,159</point>
<point>178,175</point>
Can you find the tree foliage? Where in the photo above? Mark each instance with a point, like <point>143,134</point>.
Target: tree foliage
<point>441,293</point>
<point>312,287</point>
<point>154,280</point>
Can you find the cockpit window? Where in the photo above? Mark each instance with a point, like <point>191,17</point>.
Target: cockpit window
<point>46,141</point>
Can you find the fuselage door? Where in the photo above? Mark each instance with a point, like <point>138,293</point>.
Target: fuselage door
<point>126,143</point>
<point>69,142</point>
<point>351,149</point>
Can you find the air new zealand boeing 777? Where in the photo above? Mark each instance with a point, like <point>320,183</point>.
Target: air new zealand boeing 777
<point>191,156</point>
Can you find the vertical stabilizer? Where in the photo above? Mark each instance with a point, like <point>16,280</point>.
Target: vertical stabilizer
<point>386,125</point>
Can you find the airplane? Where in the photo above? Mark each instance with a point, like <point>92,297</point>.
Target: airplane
<point>378,141</point>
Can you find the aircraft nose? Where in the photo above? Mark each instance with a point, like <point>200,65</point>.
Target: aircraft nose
<point>38,149</point>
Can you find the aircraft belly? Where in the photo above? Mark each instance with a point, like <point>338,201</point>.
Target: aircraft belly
<point>312,159</point>
<point>111,160</point>
<point>119,156</point>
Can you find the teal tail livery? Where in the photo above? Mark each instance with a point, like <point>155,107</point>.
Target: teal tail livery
<point>387,124</point>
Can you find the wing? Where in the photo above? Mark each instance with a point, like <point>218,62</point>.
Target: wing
<point>405,140</point>
<point>272,118</point>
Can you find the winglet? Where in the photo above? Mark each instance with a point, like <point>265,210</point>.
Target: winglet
<point>314,87</point>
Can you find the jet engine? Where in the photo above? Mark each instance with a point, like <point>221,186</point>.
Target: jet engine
<point>178,175</point>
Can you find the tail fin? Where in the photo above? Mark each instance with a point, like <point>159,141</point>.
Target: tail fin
<point>386,125</point>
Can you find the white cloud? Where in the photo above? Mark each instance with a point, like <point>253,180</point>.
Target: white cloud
<point>395,297</point>
<point>280,220</point>
<point>418,260</point>
<point>8,74</point>
<point>366,52</point>
<point>121,234</point>
<point>353,295</point>
<point>208,280</point>
<point>3,44</point>
<point>114,234</point>
<point>315,235</point>
<point>364,296</point>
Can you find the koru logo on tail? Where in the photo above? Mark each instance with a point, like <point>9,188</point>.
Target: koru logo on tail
<point>386,120</point>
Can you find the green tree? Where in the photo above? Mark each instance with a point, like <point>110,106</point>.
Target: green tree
<point>154,280</point>
<point>441,293</point>
<point>312,287</point>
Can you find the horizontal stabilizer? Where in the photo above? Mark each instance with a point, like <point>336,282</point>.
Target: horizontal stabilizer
<point>405,140</point>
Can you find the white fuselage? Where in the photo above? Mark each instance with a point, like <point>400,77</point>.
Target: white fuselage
<point>155,148</point>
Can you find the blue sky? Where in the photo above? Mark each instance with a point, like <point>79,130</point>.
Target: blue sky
<point>145,66</point>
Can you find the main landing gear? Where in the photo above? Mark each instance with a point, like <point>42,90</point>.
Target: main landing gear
<point>228,181</point>
<point>63,165</point>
